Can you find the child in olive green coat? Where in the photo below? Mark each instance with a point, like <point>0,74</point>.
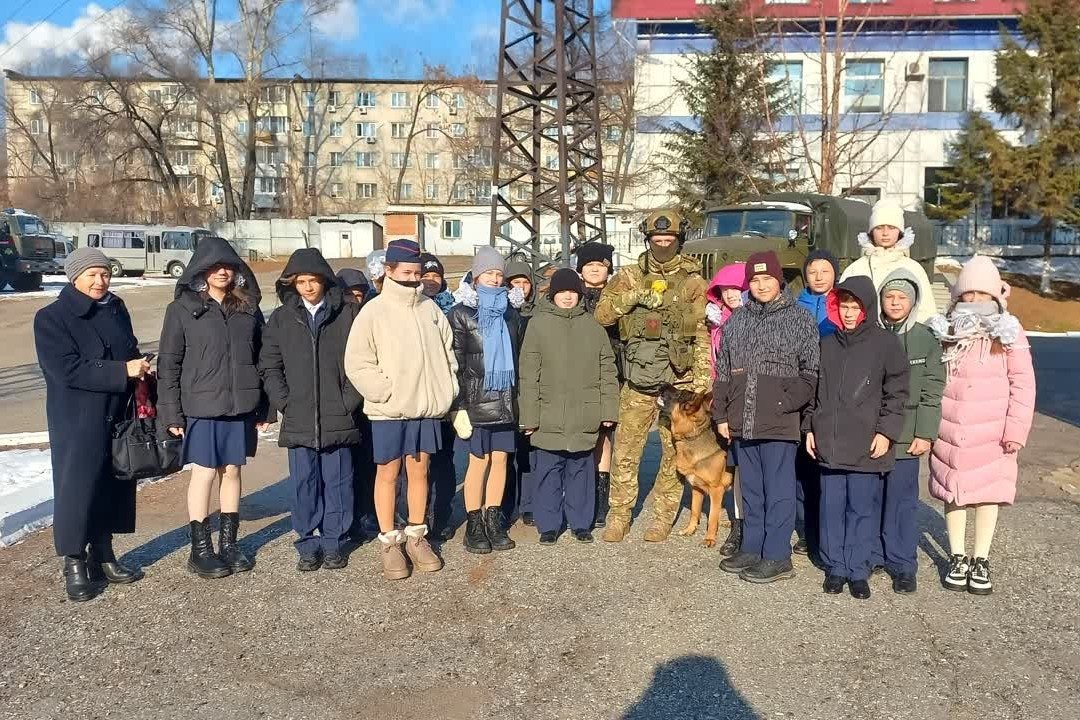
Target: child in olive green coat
<point>568,389</point>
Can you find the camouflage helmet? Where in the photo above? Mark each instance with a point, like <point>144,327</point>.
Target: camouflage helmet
<point>668,221</point>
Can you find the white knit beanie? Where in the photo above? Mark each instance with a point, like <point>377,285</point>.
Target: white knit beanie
<point>887,212</point>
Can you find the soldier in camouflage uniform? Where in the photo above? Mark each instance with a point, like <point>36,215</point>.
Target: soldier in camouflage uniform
<point>659,306</point>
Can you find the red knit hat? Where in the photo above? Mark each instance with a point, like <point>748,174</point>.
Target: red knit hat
<point>764,263</point>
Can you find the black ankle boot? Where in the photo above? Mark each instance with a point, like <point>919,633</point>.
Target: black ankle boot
<point>228,550</point>
<point>102,565</point>
<point>496,531</point>
<point>603,499</point>
<point>76,581</point>
<point>734,540</point>
<point>204,562</point>
<point>476,540</point>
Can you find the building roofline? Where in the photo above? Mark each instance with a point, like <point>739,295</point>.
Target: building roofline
<point>12,74</point>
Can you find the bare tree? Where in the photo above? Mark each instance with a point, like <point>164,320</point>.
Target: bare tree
<point>842,135</point>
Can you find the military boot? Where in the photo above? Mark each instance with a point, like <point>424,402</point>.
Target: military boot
<point>616,529</point>
<point>658,532</point>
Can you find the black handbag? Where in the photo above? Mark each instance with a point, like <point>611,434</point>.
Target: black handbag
<point>143,448</point>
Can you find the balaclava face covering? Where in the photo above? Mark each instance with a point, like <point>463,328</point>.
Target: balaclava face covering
<point>663,255</point>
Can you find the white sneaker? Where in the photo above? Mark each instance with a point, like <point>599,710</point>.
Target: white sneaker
<point>979,580</point>
<point>959,571</point>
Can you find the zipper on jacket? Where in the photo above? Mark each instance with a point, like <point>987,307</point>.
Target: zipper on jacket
<point>315,376</point>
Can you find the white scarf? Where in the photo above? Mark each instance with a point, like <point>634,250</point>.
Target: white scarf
<point>971,324</point>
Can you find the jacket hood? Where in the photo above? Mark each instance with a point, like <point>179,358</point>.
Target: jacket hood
<point>903,274</point>
<point>351,277</point>
<point>862,288</point>
<point>729,276</point>
<point>213,251</point>
<point>305,261</point>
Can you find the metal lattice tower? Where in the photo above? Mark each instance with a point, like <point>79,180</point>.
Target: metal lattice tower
<point>548,103</point>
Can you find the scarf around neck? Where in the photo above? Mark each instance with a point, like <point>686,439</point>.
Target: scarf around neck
<point>498,352</point>
<point>971,325</point>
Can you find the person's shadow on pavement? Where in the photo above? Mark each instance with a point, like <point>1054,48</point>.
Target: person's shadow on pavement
<point>692,687</point>
<point>933,538</point>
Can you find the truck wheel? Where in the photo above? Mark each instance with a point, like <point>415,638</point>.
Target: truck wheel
<point>116,269</point>
<point>27,282</point>
<point>176,270</point>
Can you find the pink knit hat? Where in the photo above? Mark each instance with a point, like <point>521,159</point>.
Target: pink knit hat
<point>980,274</point>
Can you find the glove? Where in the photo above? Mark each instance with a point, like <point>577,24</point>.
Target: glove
<point>650,299</point>
<point>462,426</point>
<point>713,314</point>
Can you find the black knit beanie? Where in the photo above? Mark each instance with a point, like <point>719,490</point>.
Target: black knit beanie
<point>821,255</point>
<point>565,279</point>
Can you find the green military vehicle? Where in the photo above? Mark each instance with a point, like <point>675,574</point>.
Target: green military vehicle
<point>793,224</point>
<point>27,251</point>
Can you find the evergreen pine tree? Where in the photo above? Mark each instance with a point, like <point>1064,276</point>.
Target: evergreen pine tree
<point>734,151</point>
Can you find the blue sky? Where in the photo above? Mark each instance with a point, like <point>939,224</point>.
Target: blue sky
<point>394,37</point>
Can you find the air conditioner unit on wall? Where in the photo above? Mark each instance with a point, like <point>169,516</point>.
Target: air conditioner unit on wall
<point>915,71</point>
<point>362,109</point>
<point>371,141</point>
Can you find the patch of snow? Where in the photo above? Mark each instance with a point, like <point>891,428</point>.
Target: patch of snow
<point>25,492</point>
<point>52,287</point>
<point>27,438</point>
<point>1061,268</point>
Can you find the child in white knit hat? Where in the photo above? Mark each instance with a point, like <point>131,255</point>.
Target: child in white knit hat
<point>885,249</point>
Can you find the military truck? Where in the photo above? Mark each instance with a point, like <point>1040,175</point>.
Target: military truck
<point>793,224</point>
<point>26,250</point>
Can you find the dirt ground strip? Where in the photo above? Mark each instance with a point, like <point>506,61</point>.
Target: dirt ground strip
<point>633,630</point>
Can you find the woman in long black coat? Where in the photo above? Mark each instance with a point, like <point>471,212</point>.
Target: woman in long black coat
<point>89,356</point>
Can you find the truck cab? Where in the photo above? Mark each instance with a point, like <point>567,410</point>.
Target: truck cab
<point>26,250</point>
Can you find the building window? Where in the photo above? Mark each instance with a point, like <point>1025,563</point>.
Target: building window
<point>335,190</point>
<point>431,191</point>
<point>432,130</point>
<point>310,159</point>
<point>458,192</point>
<point>451,229</point>
<point>272,124</point>
<point>406,191</point>
<point>309,128</point>
<point>182,157</point>
<point>459,162</point>
<point>484,158</point>
<point>399,130</point>
<point>35,97</point>
<point>613,133</point>
<point>432,101</point>
<point>397,160</point>
<point>457,130</point>
<point>69,158</point>
<point>521,193</point>
<point>786,77</point>
<point>491,96</point>
<point>273,94</point>
<point>947,86</point>
<point>864,85</point>
<point>458,101</point>
<point>264,156</point>
<point>365,130</point>
<point>365,159</point>
<point>37,126</point>
<point>335,129</point>
<point>271,185</point>
<point>868,195</point>
<point>551,162</point>
<point>336,159</point>
<point>399,99</point>
<point>431,161</point>
<point>934,180</point>
<point>365,98</point>
<point>308,99</point>
<point>614,102</point>
<point>365,191</point>
<point>333,98</point>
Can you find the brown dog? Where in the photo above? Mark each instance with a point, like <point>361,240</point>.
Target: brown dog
<point>699,458</point>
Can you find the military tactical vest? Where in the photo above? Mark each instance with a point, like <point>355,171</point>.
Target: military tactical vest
<point>659,344</point>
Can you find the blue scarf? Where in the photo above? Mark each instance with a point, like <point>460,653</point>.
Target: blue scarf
<point>445,301</point>
<point>498,352</point>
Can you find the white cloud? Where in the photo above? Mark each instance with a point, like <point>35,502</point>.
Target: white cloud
<point>415,12</point>
<point>93,31</point>
<point>342,22</point>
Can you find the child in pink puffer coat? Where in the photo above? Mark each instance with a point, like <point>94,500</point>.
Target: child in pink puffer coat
<point>723,297</point>
<point>986,415</point>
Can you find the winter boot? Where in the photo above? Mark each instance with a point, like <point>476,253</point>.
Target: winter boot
<point>476,540</point>
<point>859,589</point>
<point>421,555</point>
<point>616,530</point>
<point>76,581</point>
<point>394,565</point>
<point>956,578</point>
<point>734,540</point>
<point>603,493</point>
<point>496,530</point>
<point>227,546</point>
<point>204,562</point>
<point>768,571</point>
<point>657,532</point>
<point>102,565</point>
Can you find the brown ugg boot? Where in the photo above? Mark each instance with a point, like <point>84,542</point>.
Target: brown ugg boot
<point>419,551</point>
<point>394,566</point>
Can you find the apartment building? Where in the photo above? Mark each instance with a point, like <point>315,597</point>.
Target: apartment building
<point>900,74</point>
